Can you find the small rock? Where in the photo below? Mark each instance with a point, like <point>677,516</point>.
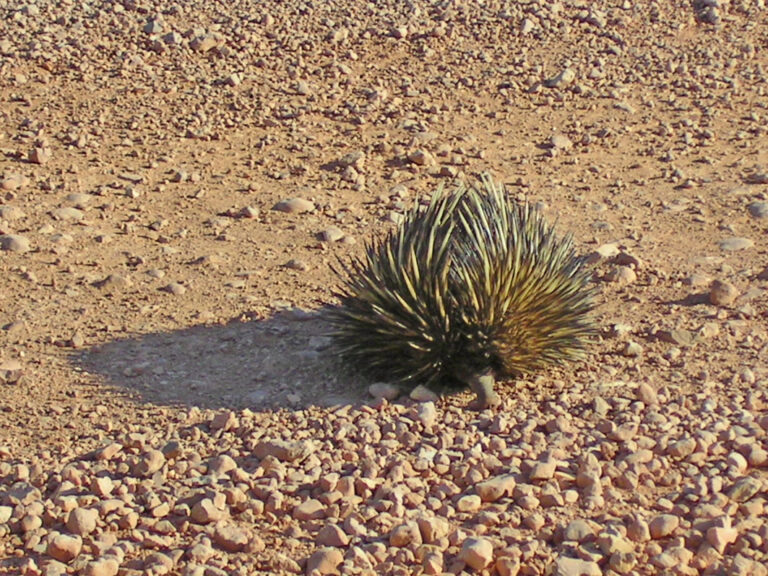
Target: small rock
<point>757,457</point>
<point>496,488</point>
<point>743,566</point>
<point>200,553</point>
<point>611,542</point>
<point>11,213</point>
<point>22,493</point>
<point>723,293</point>
<point>678,336</point>
<point>309,510</point>
<point>646,394</point>
<point>338,35</point>
<point>477,553</point>
<point>562,79</point>
<point>296,264</point>
<point>433,563</point>
<point>697,279</point>
<point>720,536</point>
<point>204,43</point>
<point>331,234</point>
<point>561,142</point>
<point>565,566</point>
<point>622,562</point>
<point>737,462</point>
<point>30,522</point>
<point>663,525</point>
<point>159,563</point>
<point>283,564</point>
<point>604,252</point>
<point>131,177</point>
<point>578,530</point>
<point>534,522</point>
<point>709,330</point>
<point>67,213</point>
<point>744,489</point>
<point>432,528</point>
<point>399,32</point>
<point>332,535</point>
<point>526,26</point>
<point>79,200</point>
<point>107,452</point>
<point>5,513</point>
<point>354,159</point>
<point>283,450</point>
<point>248,212</point>
<point>105,566</point>
<point>229,537</point>
<point>224,421</point>
<point>420,157</point>
<point>294,206</point>
<point>14,243</point>
<point>601,406</point>
<point>469,503</point>
<point>40,155</point>
<point>759,177</point>
<point>52,568</point>
<point>638,530</point>
<point>621,275</point>
<point>303,88</point>
<point>205,512</point>
<point>405,535</point>
<point>175,288</point>
<point>671,557</point>
<point>632,349</point>
<point>758,210</point>
<point>153,26</point>
<point>82,521</point>
<point>64,548</point>
<point>13,182</point>
<point>102,486</point>
<point>148,463</point>
<point>426,413</point>
<point>734,244</point>
<point>508,566</point>
<point>449,171</point>
<point>11,372</point>
<point>324,561</point>
<point>221,464</point>
<point>77,340</point>
<point>114,282</point>
<point>543,470</point>
<point>682,448</point>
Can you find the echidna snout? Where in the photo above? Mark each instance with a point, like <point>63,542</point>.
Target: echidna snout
<point>482,385</point>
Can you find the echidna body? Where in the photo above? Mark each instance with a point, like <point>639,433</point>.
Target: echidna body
<point>470,288</point>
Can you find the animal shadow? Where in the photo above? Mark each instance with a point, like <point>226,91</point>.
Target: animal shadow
<point>283,361</point>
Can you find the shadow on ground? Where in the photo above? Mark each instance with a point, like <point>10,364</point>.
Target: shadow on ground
<point>283,361</point>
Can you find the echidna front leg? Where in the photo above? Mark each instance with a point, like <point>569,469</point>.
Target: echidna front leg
<point>482,385</point>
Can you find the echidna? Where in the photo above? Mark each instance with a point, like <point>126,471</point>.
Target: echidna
<point>472,287</point>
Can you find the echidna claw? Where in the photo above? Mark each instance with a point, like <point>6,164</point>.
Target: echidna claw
<point>482,386</point>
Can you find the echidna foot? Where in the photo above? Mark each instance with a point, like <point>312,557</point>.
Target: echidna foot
<point>482,386</point>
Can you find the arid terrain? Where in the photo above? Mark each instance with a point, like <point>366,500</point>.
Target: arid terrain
<point>177,181</point>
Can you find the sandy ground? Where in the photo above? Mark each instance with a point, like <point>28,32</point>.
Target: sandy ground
<point>156,296</point>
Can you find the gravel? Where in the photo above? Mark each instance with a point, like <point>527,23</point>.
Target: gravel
<point>470,492</point>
